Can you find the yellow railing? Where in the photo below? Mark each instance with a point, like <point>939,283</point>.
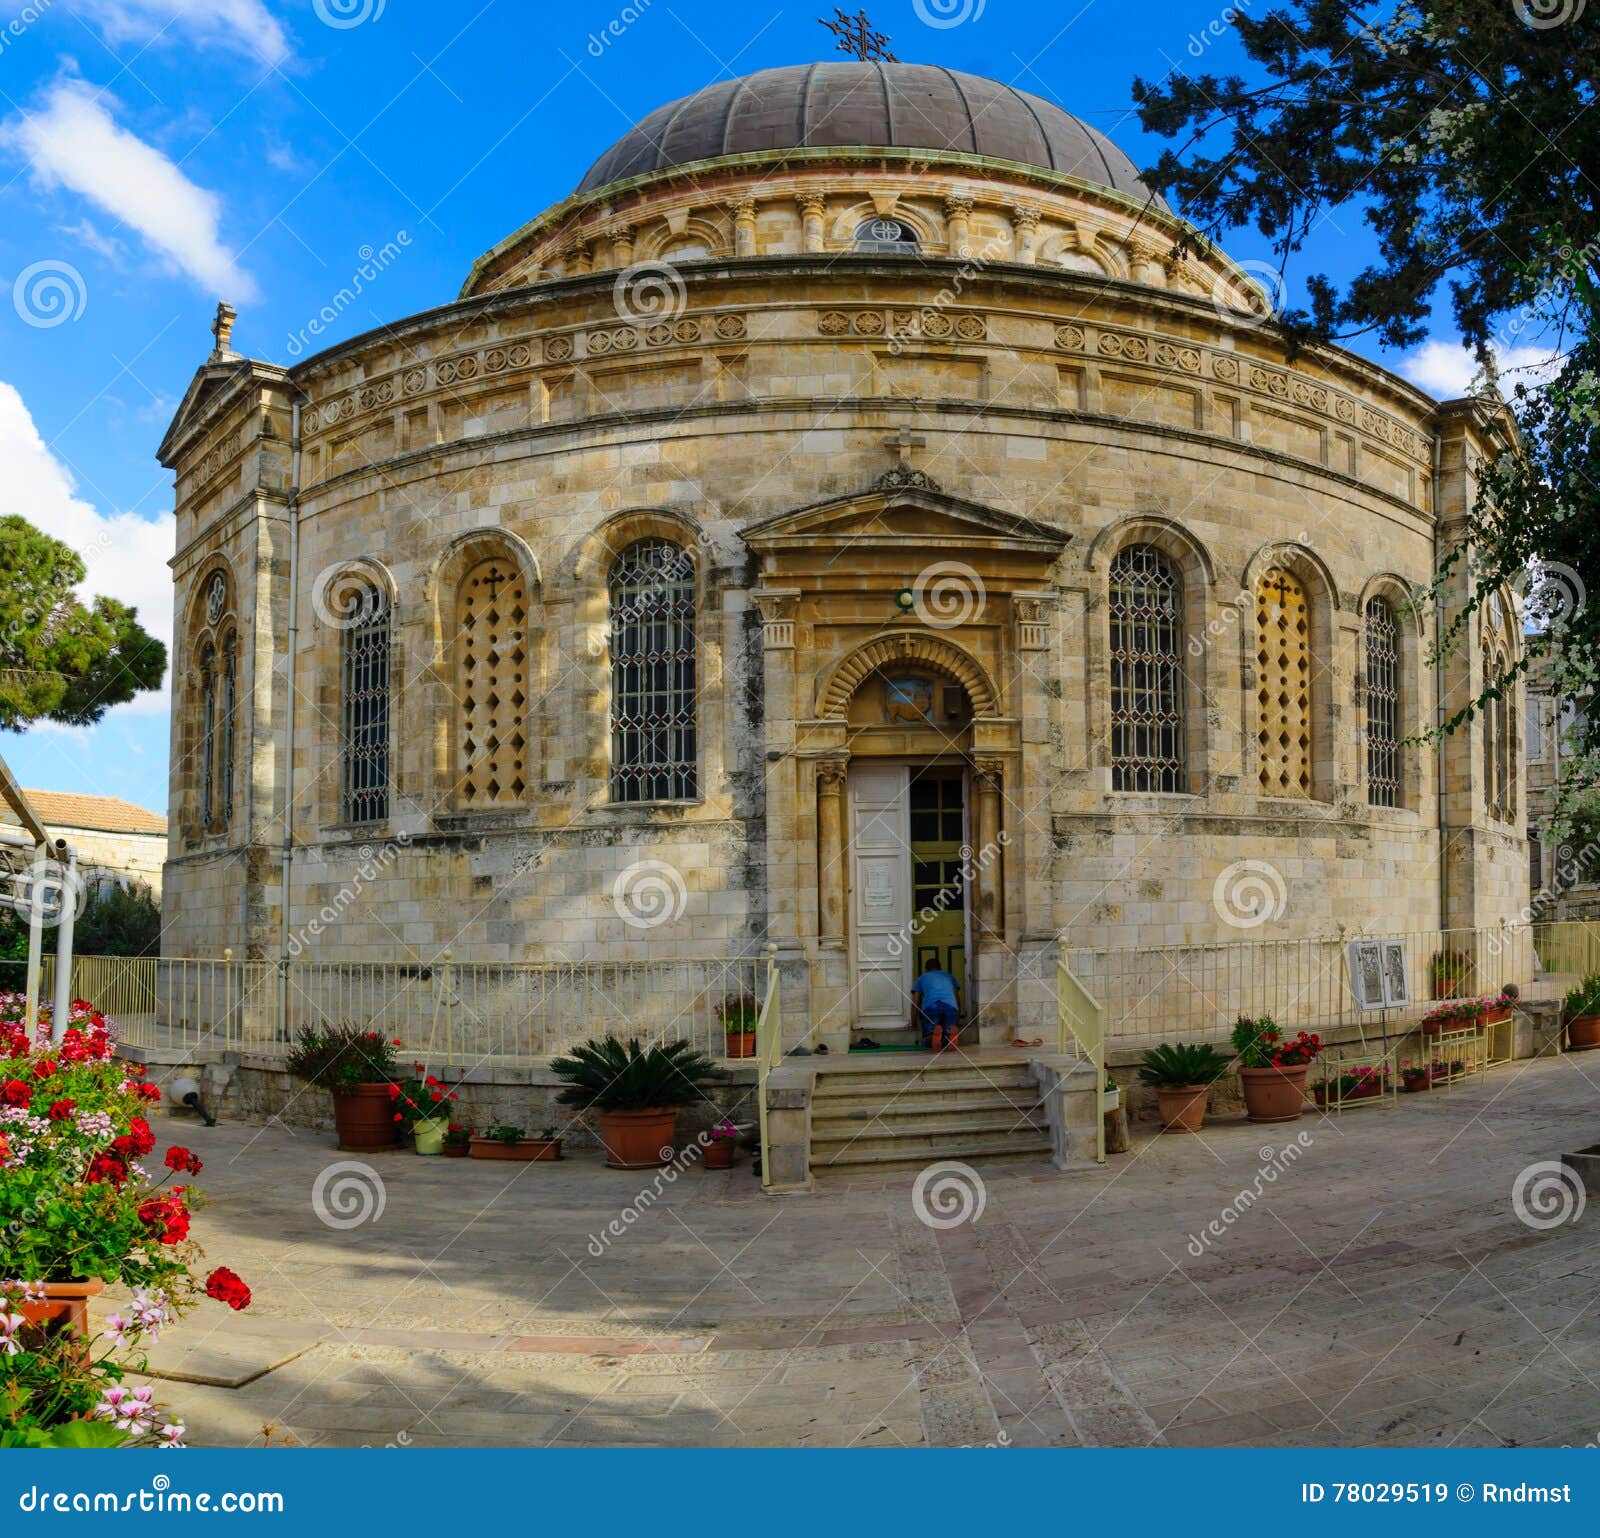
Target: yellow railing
<point>769,1052</point>
<point>1568,947</point>
<point>1080,1019</point>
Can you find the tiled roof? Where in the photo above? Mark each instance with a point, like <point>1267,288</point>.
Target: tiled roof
<point>101,814</point>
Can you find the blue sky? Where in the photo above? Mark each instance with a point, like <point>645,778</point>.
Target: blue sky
<point>157,155</point>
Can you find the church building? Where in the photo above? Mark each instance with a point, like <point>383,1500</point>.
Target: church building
<point>862,518</point>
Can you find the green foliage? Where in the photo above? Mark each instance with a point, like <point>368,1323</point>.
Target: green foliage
<point>117,922</point>
<point>341,1057</point>
<point>1253,1040</point>
<point>504,1133</point>
<point>1584,999</point>
<point>614,1075</point>
<point>738,1012</point>
<point>1182,1064</point>
<point>60,659</point>
<point>1449,966</point>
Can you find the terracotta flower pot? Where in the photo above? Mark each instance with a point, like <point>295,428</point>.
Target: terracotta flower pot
<point>1274,1094</point>
<point>638,1140</point>
<point>741,1043</point>
<point>1444,987</point>
<point>1183,1107</point>
<point>428,1135</point>
<point>719,1154</point>
<point>456,1150</point>
<point>364,1117</point>
<point>65,1306</point>
<point>1325,1095</point>
<point>1583,1032</point>
<point>530,1149</point>
<point>1497,1016</point>
<point>1416,1086</point>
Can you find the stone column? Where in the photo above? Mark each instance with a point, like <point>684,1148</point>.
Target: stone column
<point>1025,221</point>
<point>744,226</point>
<point>988,855</point>
<point>811,211</point>
<point>831,778</point>
<point>622,246</point>
<point>958,212</point>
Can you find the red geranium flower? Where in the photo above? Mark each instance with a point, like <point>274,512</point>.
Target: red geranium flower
<point>227,1287</point>
<point>148,1091</point>
<point>44,1069</point>
<point>60,1110</point>
<point>168,1217</point>
<point>394,1091</point>
<point>181,1160</point>
<point>15,1092</point>
<point>106,1169</point>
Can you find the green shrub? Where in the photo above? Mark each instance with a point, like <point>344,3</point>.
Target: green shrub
<point>1177,1066</point>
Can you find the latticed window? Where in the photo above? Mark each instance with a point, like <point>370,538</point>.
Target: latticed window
<point>364,717</point>
<point>208,734</point>
<point>1147,751</point>
<point>1499,747</point>
<point>492,741</point>
<point>653,746</point>
<point>1383,705</point>
<point>230,700</point>
<point>1283,685</point>
<point>886,237</point>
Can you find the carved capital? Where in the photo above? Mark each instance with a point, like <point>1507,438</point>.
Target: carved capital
<point>957,205</point>
<point>988,774</point>
<point>832,776</point>
<point>812,204</point>
<point>1025,217</point>
<point>742,208</point>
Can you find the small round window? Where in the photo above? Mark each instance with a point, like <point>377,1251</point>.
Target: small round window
<point>886,235</point>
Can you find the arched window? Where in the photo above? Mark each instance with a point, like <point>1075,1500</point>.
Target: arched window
<point>1147,705</point>
<point>653,692</point>
<point>1499,746</point>
<point>364,705</point>
<point>230,697</point>
<point>208,735</point>
<point>492,681</point>
<point>1383,705</point>
<point>1283,685</point>
<point>886,237</point>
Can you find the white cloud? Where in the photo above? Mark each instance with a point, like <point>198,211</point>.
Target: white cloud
<point>126,555</point>
<point>1447,370</point>
<point>72,141</point>
<point>244,26</point>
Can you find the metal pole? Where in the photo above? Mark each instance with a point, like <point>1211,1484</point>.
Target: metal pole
<point>69,917</point>
<point>35,939</point>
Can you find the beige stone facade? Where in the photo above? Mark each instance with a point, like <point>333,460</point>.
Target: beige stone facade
<point>903,480</point>
<point>115,841</point>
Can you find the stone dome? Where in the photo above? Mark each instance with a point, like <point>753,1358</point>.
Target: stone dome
<point>867,105</point>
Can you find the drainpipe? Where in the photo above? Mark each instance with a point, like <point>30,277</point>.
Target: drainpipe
<point>288,730</point>
<point>1439,708</point>
<point>62,1009</point>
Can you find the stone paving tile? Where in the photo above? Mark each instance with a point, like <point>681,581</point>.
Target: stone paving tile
<point>1382,1291</point>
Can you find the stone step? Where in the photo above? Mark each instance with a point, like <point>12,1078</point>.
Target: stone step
<point>885,1082</point>
<point>1030,1149</point>
<point>923,1130</point>
<point>829,1116</point>
<point>934,1102</point>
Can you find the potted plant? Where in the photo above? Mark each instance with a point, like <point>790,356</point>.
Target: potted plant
<point>720,1143</point>
<point>422,1107</point>
<point>1182,1075</point>
<point>1415,1079</point>
<point>457,1141</point>
<point>357,1068</point>
<point>1448,969</point>
<point>635,1093</point>
<point>1357,1084</point>
<point>737,1014</point>
<point>1497,1011</point>
<point>1272,1071</point>
<point>1582,1011</point>
<point>1111,1101</point>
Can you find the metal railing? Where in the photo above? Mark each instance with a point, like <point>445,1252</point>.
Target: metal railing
<point>1080,1019</point>
<point>769,1052</point>
<point>447,1013</point>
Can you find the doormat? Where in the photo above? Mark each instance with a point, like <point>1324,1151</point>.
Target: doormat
<point>904,1047</point>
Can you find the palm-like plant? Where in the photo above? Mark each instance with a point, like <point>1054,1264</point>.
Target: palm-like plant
<point>610,1074</point>
<point>1180,1065</point>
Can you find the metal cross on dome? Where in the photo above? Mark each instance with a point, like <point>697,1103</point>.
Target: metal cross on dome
<point>856,36</point>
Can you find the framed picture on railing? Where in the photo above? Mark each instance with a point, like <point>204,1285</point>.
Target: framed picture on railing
<point>1379,978</point>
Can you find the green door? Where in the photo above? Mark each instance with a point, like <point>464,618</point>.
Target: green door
<point>938,891</point>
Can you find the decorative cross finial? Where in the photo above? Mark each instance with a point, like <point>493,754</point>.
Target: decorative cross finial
<point>222,328</point>
<point>903,442</point>
<point>856,37</point>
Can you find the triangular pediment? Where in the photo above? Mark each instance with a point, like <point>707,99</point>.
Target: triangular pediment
<point>920,518</point>
<point>213,383</point>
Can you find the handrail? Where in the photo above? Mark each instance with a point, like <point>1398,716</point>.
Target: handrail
<point>1079,1014</point>
<point>769,1053</point>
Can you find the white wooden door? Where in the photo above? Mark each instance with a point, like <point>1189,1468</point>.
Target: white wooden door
<point>880,891</point>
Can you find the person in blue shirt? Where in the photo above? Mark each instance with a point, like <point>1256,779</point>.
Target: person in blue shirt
<point>937,994</point>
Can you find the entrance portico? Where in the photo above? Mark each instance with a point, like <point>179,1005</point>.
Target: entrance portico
<point>896,772</point>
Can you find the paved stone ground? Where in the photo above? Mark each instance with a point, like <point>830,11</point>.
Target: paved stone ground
<point>1381,1290</point>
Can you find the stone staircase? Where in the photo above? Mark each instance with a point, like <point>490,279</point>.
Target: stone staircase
<point>900,1113</point>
